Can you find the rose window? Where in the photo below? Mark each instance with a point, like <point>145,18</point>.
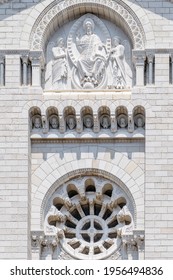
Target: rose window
<point>90,216</point>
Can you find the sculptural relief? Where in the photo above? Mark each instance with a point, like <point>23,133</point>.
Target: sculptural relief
<point>36,122</point>
<point>120,70</point>
<point>92,60</point>
<point>105,121</point>
<point>59,66</point>
<point>139,120</point>
<point>93,54</point>
<point>71,122</point>
<point>54,123</point>
<point>88,121</point>
<point>122,121</point>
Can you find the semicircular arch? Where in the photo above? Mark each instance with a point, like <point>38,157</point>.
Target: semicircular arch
<point>58,13</point>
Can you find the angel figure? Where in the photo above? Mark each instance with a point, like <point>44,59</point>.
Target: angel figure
<point>59,65</point>
<point>120,69</point>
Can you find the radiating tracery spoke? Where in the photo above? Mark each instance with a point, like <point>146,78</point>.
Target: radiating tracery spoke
<point>92,221</point>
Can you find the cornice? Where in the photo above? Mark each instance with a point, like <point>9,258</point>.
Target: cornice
<point>87,140</point>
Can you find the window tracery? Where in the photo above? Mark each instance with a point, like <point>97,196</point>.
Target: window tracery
<point>89,216</point>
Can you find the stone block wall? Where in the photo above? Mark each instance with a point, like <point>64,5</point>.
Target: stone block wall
<point>18,160</point>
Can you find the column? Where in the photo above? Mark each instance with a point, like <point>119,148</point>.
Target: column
<point>113,123</point>
<point>139,239</point>
<point>2,71</point>
<point>62,124</point>
<point>36,61</point>
<point>139,59</point>
<point>25,70</point>
<point>171,68</point>
<point>150,59</point>
<point>96,128</point>
<point>44,124</point>
<point>79,124</point>
<point>46,250</point>
<point>36,239</point>
<point>131,250</point>
<point>130,123</point>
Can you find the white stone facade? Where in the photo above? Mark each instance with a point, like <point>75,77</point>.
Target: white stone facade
<point>86,129</point>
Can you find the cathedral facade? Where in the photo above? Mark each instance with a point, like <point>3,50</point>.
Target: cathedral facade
<point>86,90</point>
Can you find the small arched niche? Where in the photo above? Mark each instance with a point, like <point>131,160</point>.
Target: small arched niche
<point>35,119</point>
<point>139,117</point>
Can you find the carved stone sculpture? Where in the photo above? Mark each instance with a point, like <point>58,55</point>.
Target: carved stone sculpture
<point>122,121</point>
<point>105,121</point>
<point>139,120</point>
<point>89,58</point>
<point>88,121</point>
<point>71,122</point>
<point>54,123</point>
<point>91,63</point>
<point>120,70</point>
<point>36,121</point>
<point>59,65</point>
<point>125,221</point>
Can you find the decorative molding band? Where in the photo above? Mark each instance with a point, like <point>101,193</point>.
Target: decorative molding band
<point>87,140</point>
<point>56,8</point>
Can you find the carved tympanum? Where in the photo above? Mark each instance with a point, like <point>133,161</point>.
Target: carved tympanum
<point>95,57</point>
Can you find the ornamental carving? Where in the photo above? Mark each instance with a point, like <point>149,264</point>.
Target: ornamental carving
<point>57,7</point>
<point>91,56</point>
<point>90,217</point>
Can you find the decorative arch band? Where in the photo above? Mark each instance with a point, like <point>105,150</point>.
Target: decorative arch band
<point>59,12</point>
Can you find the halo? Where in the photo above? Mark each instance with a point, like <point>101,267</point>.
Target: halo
<point>88,20</point>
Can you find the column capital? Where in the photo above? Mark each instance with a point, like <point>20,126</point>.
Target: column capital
<point>150,57</point>
<point>2,59</point>
<point>171,57</point>
<point>37,58</point>
<point>24,59</point>
<point>139,57</point>
<point>139,237</point>
<point>36,238</point>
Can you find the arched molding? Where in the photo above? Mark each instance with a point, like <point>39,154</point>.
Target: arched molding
<point>59,12</point>
<point>94,104</point>
<point>118,167</point>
